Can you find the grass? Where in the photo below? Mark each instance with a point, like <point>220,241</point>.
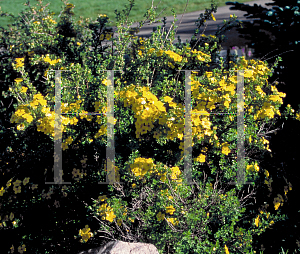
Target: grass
<point>92,8</point>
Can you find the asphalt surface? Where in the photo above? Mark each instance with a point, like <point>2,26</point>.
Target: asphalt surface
<point>186,25</point>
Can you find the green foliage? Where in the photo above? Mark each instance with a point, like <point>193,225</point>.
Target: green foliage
<point>78,216</point>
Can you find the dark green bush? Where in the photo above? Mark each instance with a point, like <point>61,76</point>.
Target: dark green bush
<point>274,34</point>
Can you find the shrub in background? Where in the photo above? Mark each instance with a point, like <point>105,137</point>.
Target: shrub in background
<point>138,210</point>
<point>273,34</point>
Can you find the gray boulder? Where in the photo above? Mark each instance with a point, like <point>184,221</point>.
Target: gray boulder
<point>120,247</point>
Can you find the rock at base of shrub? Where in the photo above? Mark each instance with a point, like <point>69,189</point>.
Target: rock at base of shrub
<point>120,247</point>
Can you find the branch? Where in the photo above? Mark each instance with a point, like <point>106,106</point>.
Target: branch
<point>42,33</point>
<point>250,194</point>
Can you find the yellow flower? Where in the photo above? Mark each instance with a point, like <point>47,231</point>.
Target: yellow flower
<point>78,43</point>
<point>30,53</point>
<point>109,216</point>
<point>150,51</point>
<point>18,80</point>
<point>168,99</point>
<point>260,91</point>
<point>24,89</point>
<point>248,73</point>
<point>102,198</point>
<point>2,191</point>
<point>200,158</point>
<point>175,172</point>
<point>106,82</point>
<point>160,53</point>
<point>171,65</point>
<point>119,222</point>
<point>213,17</point>
<point>208,74</point>
<point>160,216</point>
<point>276,206</point>
<point>85,233</point>
<point>17,183</point>
<point>253,167</point>
<point>170,209</point>
<point>108,36</point>
<point>8,183</point>
<point>28,117</point>
<point>226,249</point>
<point>257,221</point>
<point>46,110</point>
<point>21,249</point>
<point>267,173</point>
<point>173,221</point>
<point>69,6</point>
<point>20,127</point>
<point>173,55</point>
<point>225,148</point>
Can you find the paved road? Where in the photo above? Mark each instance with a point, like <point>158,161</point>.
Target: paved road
<point>187,26</point>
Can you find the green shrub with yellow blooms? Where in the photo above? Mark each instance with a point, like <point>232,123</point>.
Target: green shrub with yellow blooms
<point>153,203</point>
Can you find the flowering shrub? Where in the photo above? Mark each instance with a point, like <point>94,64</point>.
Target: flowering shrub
<point>154,203</point>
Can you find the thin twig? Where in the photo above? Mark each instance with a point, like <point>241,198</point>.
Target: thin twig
<point>43,33</point>
<point>23,18</point>
<point>278,55</point>
<point>261,128</point>
<point>182,16</point>
<point>264,134</point>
